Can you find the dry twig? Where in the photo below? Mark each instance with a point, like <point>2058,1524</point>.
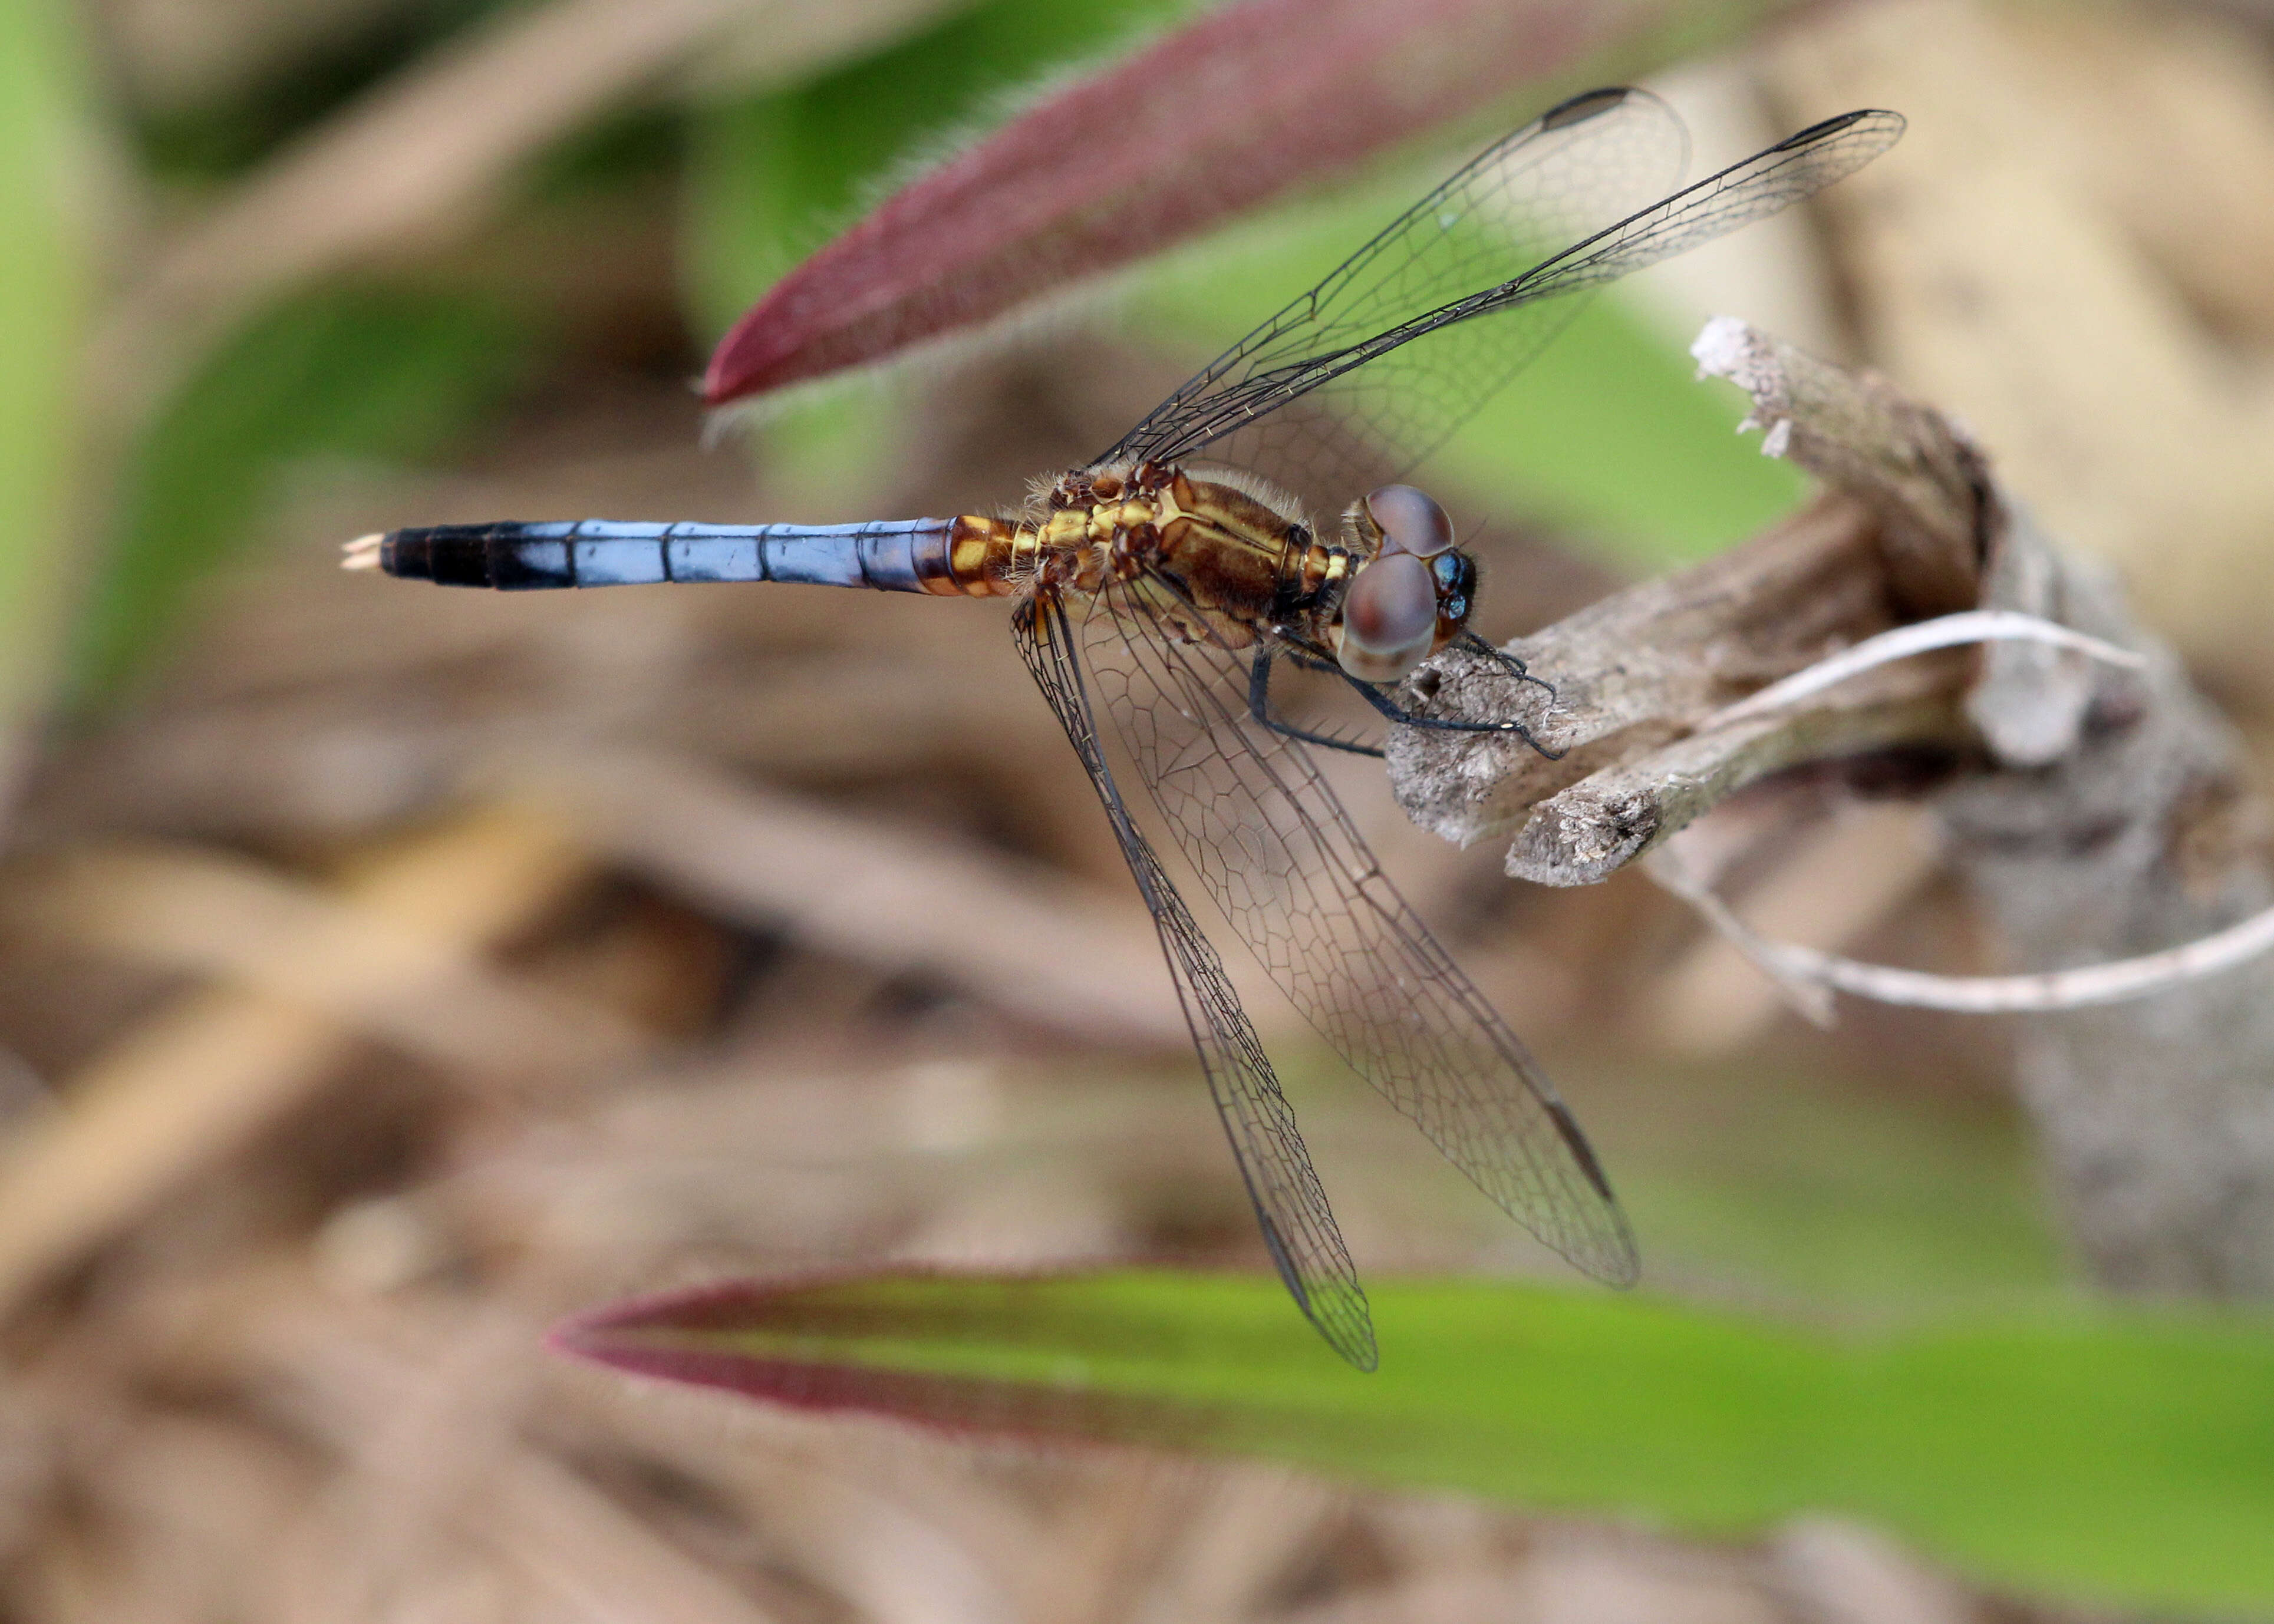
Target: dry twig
<point>2097,809</point>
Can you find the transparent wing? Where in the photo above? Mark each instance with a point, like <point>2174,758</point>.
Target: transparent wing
<point>1274,849</point>
<point>1503,252</point>
<point>1291,1204</point>
<point>1585,165</point>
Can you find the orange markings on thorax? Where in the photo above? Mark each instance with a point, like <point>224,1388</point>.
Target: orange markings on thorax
<point>1231,555</point>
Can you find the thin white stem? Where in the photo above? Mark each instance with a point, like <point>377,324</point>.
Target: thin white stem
<point>1947,631</point>
<point>1808,995</point>
<point>1808,976</point>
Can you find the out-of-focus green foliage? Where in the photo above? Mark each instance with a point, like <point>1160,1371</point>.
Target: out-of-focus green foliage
<point>2122,1457</point>
<point>42,279</point>
<point>1820,1194</point>
<point>770,178</point>
<point>344,372</point>
<point>774,176</point>
<point>352,51</point>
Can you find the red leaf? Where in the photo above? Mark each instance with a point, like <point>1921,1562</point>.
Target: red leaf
<point>1242,105</point>
<point>842,1343</point>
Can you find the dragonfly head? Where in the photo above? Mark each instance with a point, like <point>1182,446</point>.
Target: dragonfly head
<point>1413,596</point>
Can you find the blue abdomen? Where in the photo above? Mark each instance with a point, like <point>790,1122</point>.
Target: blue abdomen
<point>889,555</point>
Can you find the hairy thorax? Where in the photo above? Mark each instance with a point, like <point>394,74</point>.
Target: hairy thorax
<point>1238,558</point>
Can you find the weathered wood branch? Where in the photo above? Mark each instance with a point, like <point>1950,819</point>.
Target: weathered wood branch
<point>2100,813</point>
<point>1634,672</point>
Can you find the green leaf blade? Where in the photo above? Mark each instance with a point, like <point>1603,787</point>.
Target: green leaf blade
<point>2123,1457</point>
<point>44,124</point>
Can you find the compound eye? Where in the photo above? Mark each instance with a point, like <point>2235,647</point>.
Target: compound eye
<point>1390,619</point>
<point>1411,521</point>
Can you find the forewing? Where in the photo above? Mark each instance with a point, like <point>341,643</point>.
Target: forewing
<point>1274,849</point>
<point>1424,323</point>
<point>1291,1204</point>
<point>1584,166</point>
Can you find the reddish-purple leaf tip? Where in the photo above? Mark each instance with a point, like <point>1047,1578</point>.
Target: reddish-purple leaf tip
<point>823,1343</point>
<point>1215,117</point>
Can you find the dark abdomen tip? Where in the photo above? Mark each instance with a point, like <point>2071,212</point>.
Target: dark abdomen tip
<point>506,556</point>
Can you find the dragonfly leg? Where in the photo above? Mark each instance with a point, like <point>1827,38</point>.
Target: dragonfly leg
<point>1259,705</point>
<point>1404,717</point>
<point>1515,666</point>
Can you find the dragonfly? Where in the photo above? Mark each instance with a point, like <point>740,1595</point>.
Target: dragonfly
<point>1238,530</point>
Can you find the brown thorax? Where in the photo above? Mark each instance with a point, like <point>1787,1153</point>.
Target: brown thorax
<point>1237,559</point>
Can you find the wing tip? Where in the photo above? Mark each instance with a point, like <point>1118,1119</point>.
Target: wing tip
<point>1618,1265</point>
<point>1879,122</point>
<point>1335,1304</point>
<point>1346,1325</point>
<point>1588,104</point>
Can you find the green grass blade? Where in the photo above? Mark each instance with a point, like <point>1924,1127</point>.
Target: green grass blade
<point>2124,1457</point>
<point>42,273</point>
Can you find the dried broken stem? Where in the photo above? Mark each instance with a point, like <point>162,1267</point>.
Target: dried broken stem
<point>1601,823</point>
<point>2096,806</point>
<point>1670,696</point>
<point>1642,679</point>
<point>1637,670</point>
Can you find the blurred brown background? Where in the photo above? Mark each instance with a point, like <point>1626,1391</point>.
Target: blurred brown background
<point>385,972</point>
